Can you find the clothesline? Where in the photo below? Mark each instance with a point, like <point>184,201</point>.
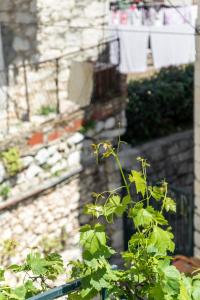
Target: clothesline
<point>133,29</point>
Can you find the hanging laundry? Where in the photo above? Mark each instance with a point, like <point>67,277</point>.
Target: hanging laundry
<point>194,13</point>
<point>135,15</point>
<point>172,45</point>
<point>181,15</point>
<point>81,93</point>
<point>114,17</point>
<point>124,17</point>
<point>153,16</point>
<point>178,2</point>
<point>133,48</point>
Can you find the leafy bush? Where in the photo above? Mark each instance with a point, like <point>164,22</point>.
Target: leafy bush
<point>147,272</point>
<point>5,191</point>
<point>12,161</point>
<point>160,105</point>
<point>46,110</point>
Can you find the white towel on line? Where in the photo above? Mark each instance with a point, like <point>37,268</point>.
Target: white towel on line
<point>172,45</point>
<point>133,48</point>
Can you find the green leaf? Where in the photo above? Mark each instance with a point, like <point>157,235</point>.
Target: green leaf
<point>141,216</point>
<point>114,206</point>
<point>185,290</point>
<point>38,265</point>
<point>169,204</point>
<point>160,241</point>
<point>94,210</point>
<point>126,200</point>
<point>2,275</point>
<point>172,280</point>
<point>139,181</point>
<point>92,239</point>
<point>18,293</point>
<point>157,192</point>
<point>196,287</point>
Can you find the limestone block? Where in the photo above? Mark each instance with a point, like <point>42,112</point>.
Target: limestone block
<point>75,139</point>
<point>52,150</point>
<point>99,126</point>
<point>24,17</point>
<point>197,188</point>
<point>27,160</point>
<point>33,171</point>
<point>197,204</point>
<point>197,239</point>
<point>59,166</point>
<point>20,44</point>
<point>197,170</point>
<point>196,252</point>
<point>197,222</point>
<point>33,6</point>
<point>110,123</point>
<point>5,17</point>
<point>109,134</point>
<point>42,156</point>
<point>95,9</point>
<point>54,159</point>
<point>2,172</point>
<point>30,31</point>
<point>6,5</point>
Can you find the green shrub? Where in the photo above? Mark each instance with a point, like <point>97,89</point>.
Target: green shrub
<point>160,105</point>
<point>12,161</point>
<point>5,191</point>
<point>46,110</point>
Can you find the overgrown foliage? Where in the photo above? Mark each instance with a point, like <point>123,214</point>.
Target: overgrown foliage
<point>160,105</point>
<point>147,272</point>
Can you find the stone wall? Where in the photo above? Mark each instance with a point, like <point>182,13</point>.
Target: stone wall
<point>171,158</point>
<point>39,29</point>
<point>57,175</point>
<point>35,31</point>
<point>197,142</point>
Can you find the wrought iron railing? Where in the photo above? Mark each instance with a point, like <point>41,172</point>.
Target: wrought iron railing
<point>27,88</point>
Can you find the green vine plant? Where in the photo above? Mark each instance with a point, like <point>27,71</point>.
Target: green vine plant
<point>147,272</point>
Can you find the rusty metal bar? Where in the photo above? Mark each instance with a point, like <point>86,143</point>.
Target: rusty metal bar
<point>57,87</point>
<point>26,92</point>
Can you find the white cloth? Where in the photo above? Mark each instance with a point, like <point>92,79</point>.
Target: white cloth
<point>172,45</point>
<point>133,48</point>
<point>81,83</point>
<point>194,13</point>
<point>153,16</point>
<point>181,15</point>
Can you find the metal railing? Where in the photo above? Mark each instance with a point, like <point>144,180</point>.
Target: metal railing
<point>64,290</point>
<point>27,88</point>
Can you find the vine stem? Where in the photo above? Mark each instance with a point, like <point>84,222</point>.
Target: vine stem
<point>122,173</point>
